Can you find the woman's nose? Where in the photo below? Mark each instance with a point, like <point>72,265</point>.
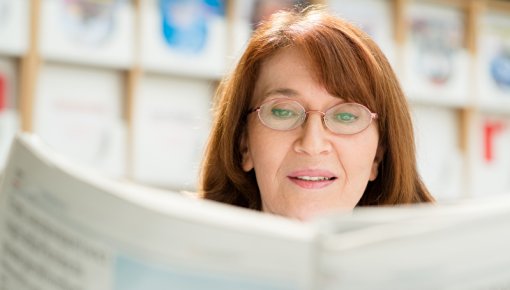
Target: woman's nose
<point>314,136</point>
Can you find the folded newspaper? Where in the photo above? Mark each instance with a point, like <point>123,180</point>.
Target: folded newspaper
<point>63,227</point>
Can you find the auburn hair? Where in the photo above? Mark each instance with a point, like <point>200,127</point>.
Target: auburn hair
<point>347,63</point>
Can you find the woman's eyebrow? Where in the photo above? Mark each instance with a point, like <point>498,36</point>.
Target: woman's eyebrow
<point>288,92</point>
<point>282,91</point>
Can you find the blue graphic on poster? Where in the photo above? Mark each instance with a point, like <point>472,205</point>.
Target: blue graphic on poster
<point>436,43</point>
<point>88,22</point>
<point>133,274</point>
<point>185,23</point>
<point>500,69</point>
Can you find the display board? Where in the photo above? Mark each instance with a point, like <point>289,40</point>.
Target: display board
<point>436,64</point>
<point>14,26</point>
<point>375,17</point>
<point>126,86</point>
<point>9,117</point>
<point>170,126</point>
<point>88,32</point>
<point>494,60</point>
<point>247,15</point>
<point>440,161</point>
<point>184,37</point>
<point>78,112</point>
<point>490,168</point>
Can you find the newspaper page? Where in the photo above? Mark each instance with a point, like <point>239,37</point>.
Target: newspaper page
<point>454,246</point>
<point>65,228</point>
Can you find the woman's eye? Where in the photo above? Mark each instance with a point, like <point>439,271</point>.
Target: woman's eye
<point>282,113</point>
<point>345,117</point>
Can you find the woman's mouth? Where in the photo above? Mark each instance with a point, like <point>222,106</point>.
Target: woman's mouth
<point>312,181</point>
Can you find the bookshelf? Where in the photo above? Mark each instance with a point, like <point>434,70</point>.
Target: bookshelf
<point>151,91</point>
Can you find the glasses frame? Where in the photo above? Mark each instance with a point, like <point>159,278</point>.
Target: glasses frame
<point>373,116</point>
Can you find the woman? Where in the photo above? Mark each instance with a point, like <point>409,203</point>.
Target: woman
<point>311,120</point>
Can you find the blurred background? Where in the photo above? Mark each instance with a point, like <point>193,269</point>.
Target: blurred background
<point>126,87</point>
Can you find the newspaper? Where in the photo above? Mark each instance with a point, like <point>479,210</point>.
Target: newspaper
<point>462,246</point>
<point>63,227</point>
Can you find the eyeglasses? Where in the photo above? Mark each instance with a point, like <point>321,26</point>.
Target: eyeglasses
<point>285,115</point>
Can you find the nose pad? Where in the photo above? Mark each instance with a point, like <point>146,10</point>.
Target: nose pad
<point>314,136</point>
<point>320,114</point>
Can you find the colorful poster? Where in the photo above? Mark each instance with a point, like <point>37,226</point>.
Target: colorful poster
<point>184,23</point>
<point>494,59</point>
<point>9,117</point>
<point>436,63</point>
<point>88,31</point>
<point>5,13</point>
<point>248,14</point>
<point>187,37</point>
<point>440,162</point>
<point>263,9</point>
<point>171,124</point>
<point>500,67</point>
<point>77,111</point>
<point>3,92</point>
<point>8,82</point>
<point>490,172</point>
<point>88,22</point>
<point>14,26</point>
<point>372,16</point>
<point>435,42</point>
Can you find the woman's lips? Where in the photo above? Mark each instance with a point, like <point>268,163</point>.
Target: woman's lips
<point>312,179</point>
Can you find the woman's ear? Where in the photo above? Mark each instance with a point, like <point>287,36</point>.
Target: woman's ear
<point>375,165</point>
<point>247,162</point>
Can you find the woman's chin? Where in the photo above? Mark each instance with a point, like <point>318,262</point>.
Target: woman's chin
<point>304,214</point>
<point>310,214</point>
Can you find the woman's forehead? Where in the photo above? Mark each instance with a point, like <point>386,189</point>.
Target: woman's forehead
<point>289,72</point>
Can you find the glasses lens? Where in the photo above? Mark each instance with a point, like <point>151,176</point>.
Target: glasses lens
<point>348,118</point>
<point>281,114</point>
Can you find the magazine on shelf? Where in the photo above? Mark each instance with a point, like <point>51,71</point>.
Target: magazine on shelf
<point>64,227</point>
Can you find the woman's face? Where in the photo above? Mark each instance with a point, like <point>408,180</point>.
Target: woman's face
<point>308,170</point>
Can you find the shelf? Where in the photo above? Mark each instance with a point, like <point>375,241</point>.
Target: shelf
<point>438,101</point>
<point>140,61</point>
<point>501,107</point>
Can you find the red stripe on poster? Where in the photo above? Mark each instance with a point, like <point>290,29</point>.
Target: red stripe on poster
<point>490,131</point>
<point>3,92</point>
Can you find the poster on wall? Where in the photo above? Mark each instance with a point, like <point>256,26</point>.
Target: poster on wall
<point>490,156</point>
<point>436,65</point>
<point>77,111</point>
<point>170,127</point>
<point>440,162</point>
<point>9,117</point>
<point>248,14</point>
<point>372,16</point>
<point>88,31</point>
<point>494,59</point>
<point>14,22</point>
<point>186,37</point>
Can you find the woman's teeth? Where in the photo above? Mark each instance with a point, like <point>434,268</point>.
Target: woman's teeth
<point>313,178</point>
